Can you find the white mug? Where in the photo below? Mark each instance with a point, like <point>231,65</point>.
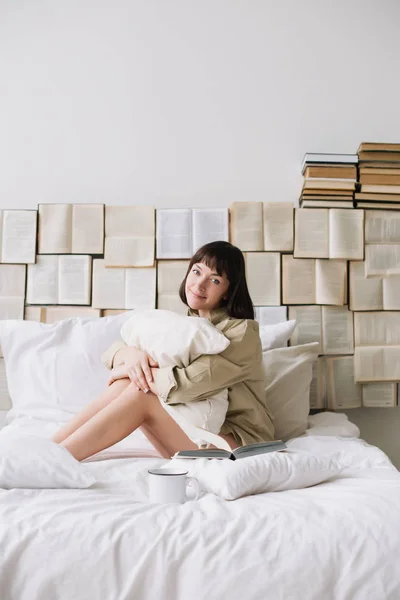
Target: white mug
<point>169,485</point>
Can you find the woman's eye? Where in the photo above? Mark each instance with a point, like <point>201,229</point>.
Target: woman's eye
<point>195,271</point>
<point>216,281</point>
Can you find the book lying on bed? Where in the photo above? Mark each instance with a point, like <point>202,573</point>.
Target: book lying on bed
<point>241,452</point>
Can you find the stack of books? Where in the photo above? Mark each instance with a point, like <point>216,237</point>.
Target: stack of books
<point>379,176</point>
<point>329,180</point>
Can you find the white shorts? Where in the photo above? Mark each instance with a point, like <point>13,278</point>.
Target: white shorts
<point>202,420</point>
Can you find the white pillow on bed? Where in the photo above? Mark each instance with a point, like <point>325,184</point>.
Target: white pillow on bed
<point>276,335</point>
<point>272,472</point>
<point>54,370</point>
<point>172,340</point>
<point>28,461</point>
<point>287,380</point>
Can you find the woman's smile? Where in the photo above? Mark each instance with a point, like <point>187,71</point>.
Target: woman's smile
<point>197,295</point>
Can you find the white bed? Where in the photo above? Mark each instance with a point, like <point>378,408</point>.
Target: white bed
<point>339,540</point>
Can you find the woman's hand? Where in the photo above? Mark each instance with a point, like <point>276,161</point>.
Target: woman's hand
<point>135,364</point>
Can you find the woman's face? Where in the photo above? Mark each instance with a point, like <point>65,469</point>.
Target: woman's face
<point>205,288</point>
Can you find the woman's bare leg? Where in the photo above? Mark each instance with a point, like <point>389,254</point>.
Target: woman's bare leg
<point>112,392</point>
<point>130,410</point>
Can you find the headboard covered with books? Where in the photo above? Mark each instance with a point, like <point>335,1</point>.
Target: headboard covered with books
<point>335,270</point>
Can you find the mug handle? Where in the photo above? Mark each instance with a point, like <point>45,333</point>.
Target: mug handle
<point>195,483</point>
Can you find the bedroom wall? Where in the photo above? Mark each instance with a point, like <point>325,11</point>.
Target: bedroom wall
<point>185,103</point>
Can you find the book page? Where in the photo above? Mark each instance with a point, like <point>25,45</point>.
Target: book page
<point>311,238</point>
<point>19,236</point>
<point>12,308</point>
<point>346,233</point>
<point>42,285</point>
<point>74,279</point>
<point>330,281</point>
<point>53,314</point>
<point>140,288</point>
<point>270,315</point>
<point>365,293</point>
<point>129,236</point>
<point>263,274</point>
<point>111,312</point>
<point>108,288</point>
<point>377,328</point>
<point>382,227</point>
<point>391,292</point>
<point>129,252</point>
<point>209,225</point>
<point>342,391</point>
<point>170,274</point>
<point>12,281</point>
<point>382,260</point>
<point>278,226</point>
<point>174,233</point>
<point>376,363</point>
<point>87,229</point>
<point>308,325</point>
<point>34,313</point>
<point>172,302</point>
<point>247,226</point>
<point>298,280</point>
<point>337,330</point>
<point>5,400</point>
<point>379,395</point>
<point>317,386</point>
<point>55,229</point>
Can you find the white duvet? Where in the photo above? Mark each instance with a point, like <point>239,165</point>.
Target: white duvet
<point>339,540</point>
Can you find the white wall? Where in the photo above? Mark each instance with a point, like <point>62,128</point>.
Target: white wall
<point>183,103</point>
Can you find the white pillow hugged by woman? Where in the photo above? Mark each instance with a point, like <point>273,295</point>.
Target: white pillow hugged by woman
<point>142,393</point>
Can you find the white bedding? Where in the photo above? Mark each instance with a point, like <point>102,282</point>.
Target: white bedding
<point>336,541</point>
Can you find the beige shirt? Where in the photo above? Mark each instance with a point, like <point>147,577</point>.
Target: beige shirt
<point>238,368</point>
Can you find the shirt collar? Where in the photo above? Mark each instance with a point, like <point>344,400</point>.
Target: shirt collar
<point>216,315</point>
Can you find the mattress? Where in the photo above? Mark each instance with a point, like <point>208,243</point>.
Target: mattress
<point>335,541</point>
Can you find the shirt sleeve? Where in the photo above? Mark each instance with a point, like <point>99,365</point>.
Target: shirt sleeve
<point>108,356</point>
<point>209,374</point>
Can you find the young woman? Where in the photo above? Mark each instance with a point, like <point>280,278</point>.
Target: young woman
<point>215,288</point>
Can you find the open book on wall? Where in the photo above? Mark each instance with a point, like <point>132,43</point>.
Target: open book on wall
<point>64,279</point>
<point>129,236</point>
<point>180,232</point>
<point>317,387</point>
<point>263,274</point>
<point>257,226</point>
<point>71,229</point>
<point>344,393</point>
<point>18,232</point>
<point>12,291</point>
<point>313,281</point>
<point>121,288</point>
<point>170,274</point>
<point>270,315</point>
<point>329,233</point>
<point>377,346</point>
<point>372,293</point>
<point>331,326</point>
<point>382,243</point>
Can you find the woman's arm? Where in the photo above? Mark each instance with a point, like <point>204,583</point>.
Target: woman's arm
<point>129,362</point>
<point>210,374</point>
<point>113,355</point>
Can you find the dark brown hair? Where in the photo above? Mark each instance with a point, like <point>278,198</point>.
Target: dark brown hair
<point>227,260</point>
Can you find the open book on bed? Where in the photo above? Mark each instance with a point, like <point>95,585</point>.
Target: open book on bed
<point>241,452</point>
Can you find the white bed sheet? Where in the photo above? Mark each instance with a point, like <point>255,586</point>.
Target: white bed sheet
<point>335,541</point>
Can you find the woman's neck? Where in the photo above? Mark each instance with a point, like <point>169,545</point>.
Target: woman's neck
<point>204,313</point>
